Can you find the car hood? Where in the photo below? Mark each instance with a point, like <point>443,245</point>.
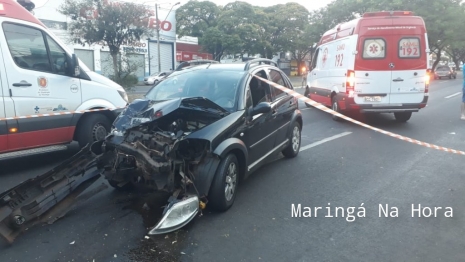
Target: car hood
<point>141,111</point>
<point>104,81</point>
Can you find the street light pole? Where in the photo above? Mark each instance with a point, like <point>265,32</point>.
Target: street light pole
<point>158,31</point>
<point>158,37</point>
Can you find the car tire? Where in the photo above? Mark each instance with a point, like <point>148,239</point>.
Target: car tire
<point>403,116</point>
<point>155,82</point>
<point>224,186</point>
<point>335,107</point>
<point>93,127</point>
<point>292,150</point>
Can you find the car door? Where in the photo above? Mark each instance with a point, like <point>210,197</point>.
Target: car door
<point>260,132</point>
<point>39,83</point>
<point>283,106</point>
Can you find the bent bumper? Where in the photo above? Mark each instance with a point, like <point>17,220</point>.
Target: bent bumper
<point>176,215</point>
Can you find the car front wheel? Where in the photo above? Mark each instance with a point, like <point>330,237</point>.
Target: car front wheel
<point>224,186</point>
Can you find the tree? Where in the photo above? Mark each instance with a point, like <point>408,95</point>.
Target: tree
<point>112,23</point>
<point>194,18</point>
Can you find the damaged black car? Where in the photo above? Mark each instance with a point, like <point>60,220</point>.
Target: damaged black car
<point>196,135</point>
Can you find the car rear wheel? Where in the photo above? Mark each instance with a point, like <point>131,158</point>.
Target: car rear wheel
<point>403,116</point>
<point>224,186</point>
<point>292,150</point>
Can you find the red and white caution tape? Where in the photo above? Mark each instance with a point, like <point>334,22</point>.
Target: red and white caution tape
<point>59,113</point>
<point>327,110</point>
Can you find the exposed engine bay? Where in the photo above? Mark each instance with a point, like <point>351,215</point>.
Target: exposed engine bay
<point>154,146</point>
<point>157,155</point>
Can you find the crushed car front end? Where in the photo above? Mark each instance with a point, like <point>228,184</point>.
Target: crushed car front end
<point>150,149</point>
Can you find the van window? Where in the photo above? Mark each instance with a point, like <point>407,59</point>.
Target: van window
<point>374,48</point>
<point>276,77</point>
<point>409,48</point>
<point>315,58</point>
<point>29,51</point>
<point>58,56</point>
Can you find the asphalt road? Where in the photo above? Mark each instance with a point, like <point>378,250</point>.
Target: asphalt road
<point>341,165</point>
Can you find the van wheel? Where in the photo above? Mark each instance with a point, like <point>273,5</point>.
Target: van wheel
<point>335,108</point>
<point>292,150</point>
<point>93,127</point>
<point>403,116</point>
<point>224,186</point>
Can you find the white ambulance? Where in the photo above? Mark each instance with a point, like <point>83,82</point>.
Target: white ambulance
<point>42,85</point>
<point>374,64</point>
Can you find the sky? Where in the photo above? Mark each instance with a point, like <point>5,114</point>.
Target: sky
<point>309,4</point>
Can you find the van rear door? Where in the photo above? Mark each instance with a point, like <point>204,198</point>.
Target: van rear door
<point>408,60</point>
<point>372,71</point>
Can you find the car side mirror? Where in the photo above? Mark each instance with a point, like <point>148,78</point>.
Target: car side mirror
<point>261,108</point>
<point>75,70</point>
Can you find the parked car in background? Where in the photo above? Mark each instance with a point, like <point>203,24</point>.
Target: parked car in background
<point>154,78</point>
<point>445,71</point>
<point>186,65</point>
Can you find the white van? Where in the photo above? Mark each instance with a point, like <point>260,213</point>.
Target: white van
<point>41,76</point>
<point>374,64</point>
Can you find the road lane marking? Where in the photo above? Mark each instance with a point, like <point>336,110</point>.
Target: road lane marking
<point>456,94</point>
<point>339,115</point>
<point>324,141</point>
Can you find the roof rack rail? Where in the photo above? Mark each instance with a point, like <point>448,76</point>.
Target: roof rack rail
<point>259,61</point>
<point>195,62</point>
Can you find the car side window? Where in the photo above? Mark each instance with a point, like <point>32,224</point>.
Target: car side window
<point>259,90</point>
<point>277,78</point>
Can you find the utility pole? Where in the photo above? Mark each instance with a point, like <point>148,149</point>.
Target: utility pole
<point>158,37</point>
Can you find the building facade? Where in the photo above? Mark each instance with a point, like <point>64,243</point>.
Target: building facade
<point>142,54</point>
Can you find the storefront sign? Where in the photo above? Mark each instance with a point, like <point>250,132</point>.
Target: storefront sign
<point>128,49</point>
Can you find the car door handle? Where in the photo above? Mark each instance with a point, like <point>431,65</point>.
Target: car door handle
<point>22,83</point>
<point>398,80</point>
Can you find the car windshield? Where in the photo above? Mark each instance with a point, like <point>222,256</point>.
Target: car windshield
<point>219,86</point>
<point>443,68</point>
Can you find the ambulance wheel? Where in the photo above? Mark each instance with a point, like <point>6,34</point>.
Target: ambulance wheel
<point>403,116</point>
<point>335,108</point>
<point>91,128</point>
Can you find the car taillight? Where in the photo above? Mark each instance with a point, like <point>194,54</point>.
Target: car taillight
<point>350,82</point>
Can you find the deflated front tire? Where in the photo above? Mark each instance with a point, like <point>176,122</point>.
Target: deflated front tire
<point>224,187</point>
